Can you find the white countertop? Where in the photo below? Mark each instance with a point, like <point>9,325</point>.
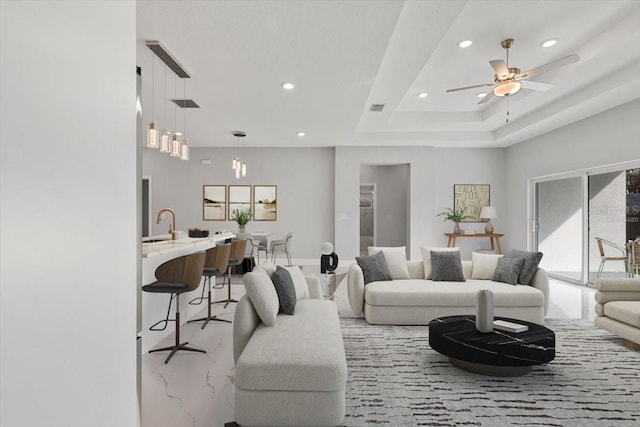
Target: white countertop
<point>177,246</point>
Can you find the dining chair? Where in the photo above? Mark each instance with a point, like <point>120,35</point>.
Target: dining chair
<point>281,246</point>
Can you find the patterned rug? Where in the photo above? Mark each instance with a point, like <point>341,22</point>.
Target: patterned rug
<point>396,379</point>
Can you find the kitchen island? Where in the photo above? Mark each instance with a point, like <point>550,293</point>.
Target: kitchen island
<point>157,250</point>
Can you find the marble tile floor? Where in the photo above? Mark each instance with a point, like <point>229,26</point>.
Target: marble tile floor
<point>196,390</point>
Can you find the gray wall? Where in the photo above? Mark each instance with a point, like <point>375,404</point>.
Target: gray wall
<point>68,214</point>
<point>392,193</point>
<point>304,177</point>
<point>607,138</point>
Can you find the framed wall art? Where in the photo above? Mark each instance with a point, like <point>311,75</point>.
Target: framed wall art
<point>214,202</point>
<point>265,203</point>
<point>239,198</point>
<point>471,197</point>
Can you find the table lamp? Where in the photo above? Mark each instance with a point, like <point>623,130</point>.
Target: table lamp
<point>488,212</point>
<point>329,259</point>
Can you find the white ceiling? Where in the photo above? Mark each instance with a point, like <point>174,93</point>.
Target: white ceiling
<point>344,56</point>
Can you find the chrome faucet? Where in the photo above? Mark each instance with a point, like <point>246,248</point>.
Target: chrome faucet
<point>172,227</point>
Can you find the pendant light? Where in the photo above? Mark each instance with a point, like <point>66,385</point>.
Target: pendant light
<point>176,138</point>
<point>184,146</point>
<point>165,136</point>
<point>152,127</point>
<point>238,164</point>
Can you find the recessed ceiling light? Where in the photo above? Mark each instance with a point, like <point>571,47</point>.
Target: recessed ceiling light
<point>465,43</point>
<point>549,43</point>
<point>287,86</point>
<point>423,95</point>
<point>481,95</point>
<point>301,134</point>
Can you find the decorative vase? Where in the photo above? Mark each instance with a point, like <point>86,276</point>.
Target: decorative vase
<point>242,229</point>
<point>484,311</point>
<point>456,228</point>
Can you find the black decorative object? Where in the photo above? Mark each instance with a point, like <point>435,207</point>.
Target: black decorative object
<point>329,259</point>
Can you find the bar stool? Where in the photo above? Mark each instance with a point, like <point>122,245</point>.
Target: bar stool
<point>236,258</point>
<point>215,263</point>
<point>175,277</point>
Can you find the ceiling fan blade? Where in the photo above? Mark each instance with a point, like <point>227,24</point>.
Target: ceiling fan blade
<point>529,84</point>
<point>500,67</point>
<point>550,66</point>
<point>469,87</point>
<point>488,97</point>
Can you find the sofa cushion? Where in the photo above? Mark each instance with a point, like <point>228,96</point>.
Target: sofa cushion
<point>262,294</point>
<point>624,311</point>
<point>530,265</point>
<point>426,258</point>
<point>483,265</point>
<point>446,266</point>
<point>304,352</point>
<point>374,268</point>
<point>507,270</point>
<point>286,291</point>
<point>425,293</point>
<point>299,282</point>
<point>396,259</point>
<point>268,266</point>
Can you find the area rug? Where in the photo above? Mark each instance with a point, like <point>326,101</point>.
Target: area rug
<point>396,379</point>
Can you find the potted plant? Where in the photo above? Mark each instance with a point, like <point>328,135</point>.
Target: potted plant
<point>242,217</point>
<point>456,215</point>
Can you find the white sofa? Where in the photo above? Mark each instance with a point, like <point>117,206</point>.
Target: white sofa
<point>293,373</point>
<point>618,308</point>
<point>417,301</point>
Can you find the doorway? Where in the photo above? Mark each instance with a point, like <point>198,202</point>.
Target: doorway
<point>384,206</point>
<point>367,217</point>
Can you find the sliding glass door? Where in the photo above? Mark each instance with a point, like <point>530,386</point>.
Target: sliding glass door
<point>559,234</point>
<point>574,212</point>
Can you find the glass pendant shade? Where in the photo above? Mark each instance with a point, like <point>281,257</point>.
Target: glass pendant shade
<point>184,150</point>
<point>237,173</point>
<point>244,168</point>
<point>153,136</point>
<point>234,162</point>
<point>175,144</point>
<point>165,141</point>
<point>507,88</point>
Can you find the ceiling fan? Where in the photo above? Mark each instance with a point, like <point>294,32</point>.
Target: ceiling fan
<point>508,81</point>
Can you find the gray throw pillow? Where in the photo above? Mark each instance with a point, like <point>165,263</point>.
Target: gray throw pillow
<point>285,289</point>
<point>374,267</point>
<point>446,267</point>
<point>507,270</point>
<point>530,265</point>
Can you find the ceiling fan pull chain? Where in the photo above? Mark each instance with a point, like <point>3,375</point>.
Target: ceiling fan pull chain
<point>507,119</point>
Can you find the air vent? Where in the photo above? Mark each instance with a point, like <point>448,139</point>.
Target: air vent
<point>185,103</point>
<point>376,107</point>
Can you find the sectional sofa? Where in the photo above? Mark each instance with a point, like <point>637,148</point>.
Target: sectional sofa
<point>414,298</point>
<point>291,370</point>
<point>618,308</point>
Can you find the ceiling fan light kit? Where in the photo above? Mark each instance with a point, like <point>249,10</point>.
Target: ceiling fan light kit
<point>509,80</point>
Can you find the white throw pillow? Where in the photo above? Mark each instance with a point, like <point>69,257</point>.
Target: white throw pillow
<point>269,267</point>
<point>299,282</point>
<point>263,295</point>
<point>483,266</point>
<point>396,259</point>
<point>426,258</point>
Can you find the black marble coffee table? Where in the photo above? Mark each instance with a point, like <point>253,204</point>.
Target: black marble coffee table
<point>497,353</point>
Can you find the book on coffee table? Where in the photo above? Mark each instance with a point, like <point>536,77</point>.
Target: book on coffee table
<point>503,325</point>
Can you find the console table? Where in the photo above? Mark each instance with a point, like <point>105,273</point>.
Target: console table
<point>492,237</point>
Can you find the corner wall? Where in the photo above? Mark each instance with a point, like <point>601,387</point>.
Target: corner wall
<point>67,214</point>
